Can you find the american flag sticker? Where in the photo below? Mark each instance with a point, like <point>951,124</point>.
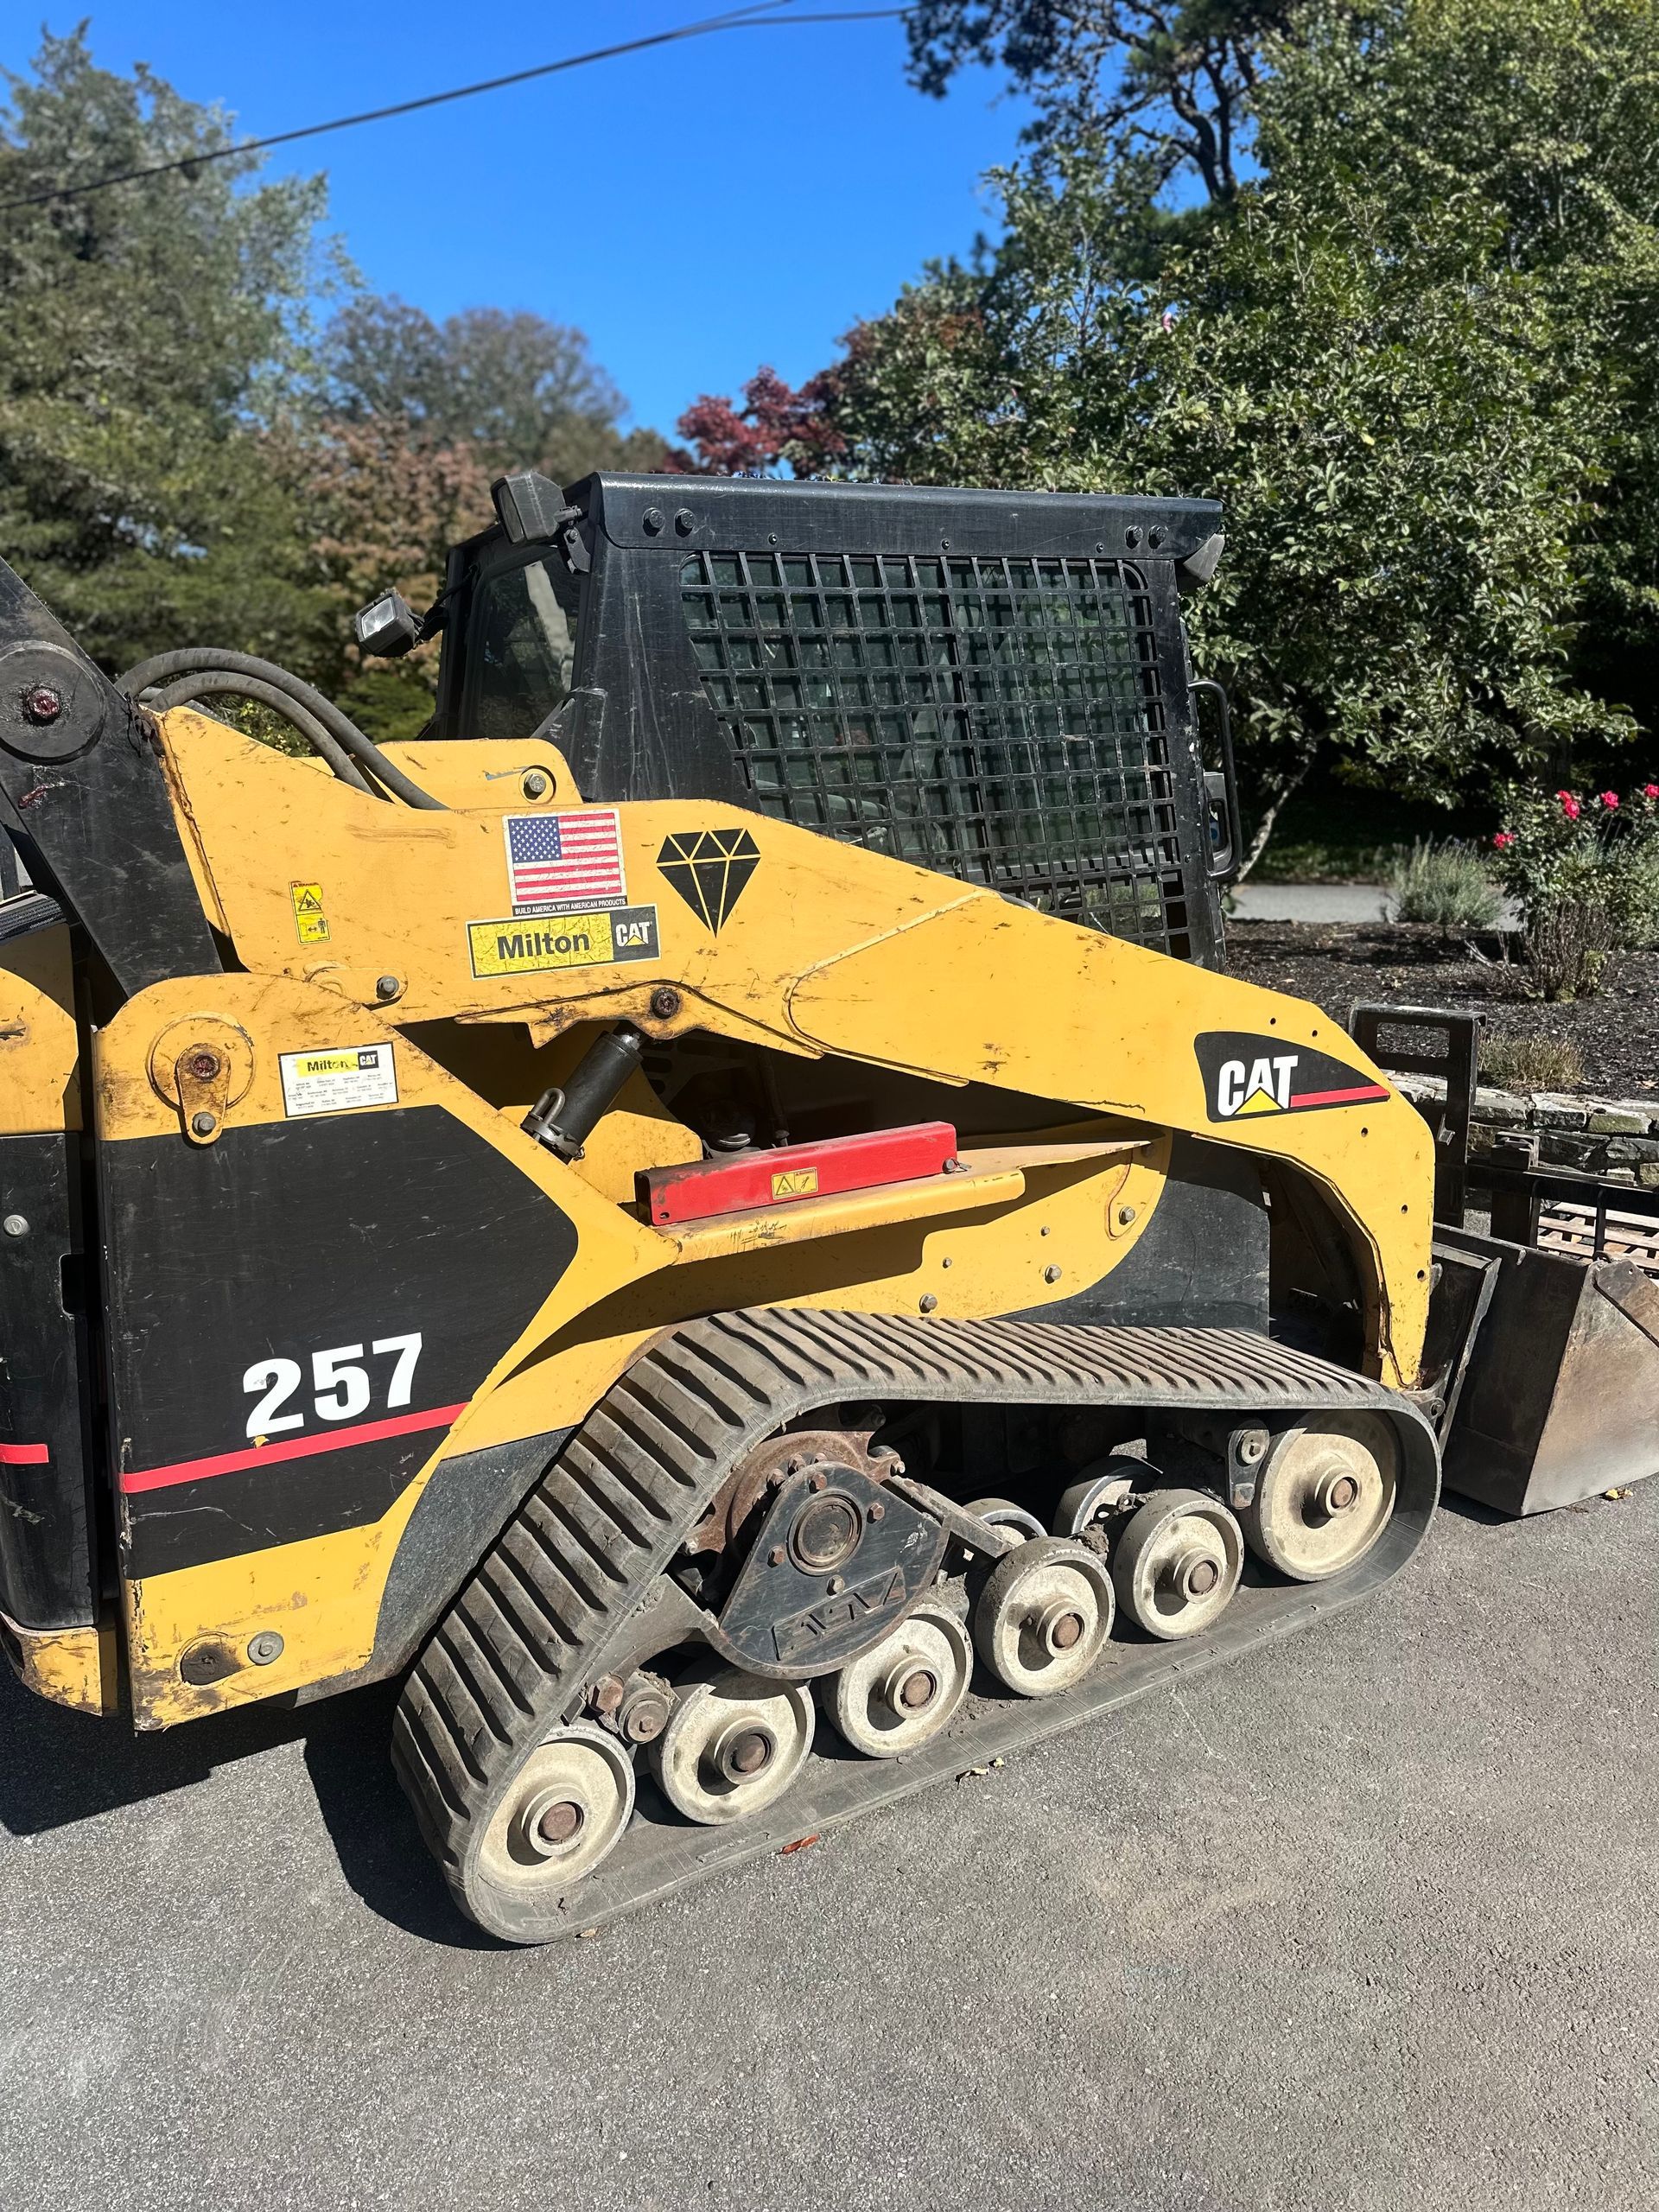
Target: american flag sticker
<point>565,859</point>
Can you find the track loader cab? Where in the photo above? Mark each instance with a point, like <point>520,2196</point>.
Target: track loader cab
<point>718,1195</point>
<point>993,686</point>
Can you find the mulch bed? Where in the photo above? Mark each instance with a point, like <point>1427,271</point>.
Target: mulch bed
<point>1338,964</point>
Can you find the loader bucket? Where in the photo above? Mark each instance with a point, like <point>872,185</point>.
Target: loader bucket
<point>1551,1368</point>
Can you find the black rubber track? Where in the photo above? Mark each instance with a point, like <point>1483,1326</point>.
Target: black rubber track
<point>519,1650</point>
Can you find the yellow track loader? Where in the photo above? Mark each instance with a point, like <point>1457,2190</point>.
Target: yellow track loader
<point>715,1214</point>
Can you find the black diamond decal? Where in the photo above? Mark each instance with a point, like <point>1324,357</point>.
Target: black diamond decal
<point>709,868</point>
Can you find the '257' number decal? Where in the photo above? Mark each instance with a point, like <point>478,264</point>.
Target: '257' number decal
<point>342,1389</point>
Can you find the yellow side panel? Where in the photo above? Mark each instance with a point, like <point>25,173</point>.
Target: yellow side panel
<point>321,1596</point>
<point>43,958</point>
<point>1017,1250</point>
<point>40,1087</point>
<point>1067,1013</point>
<point>76,1667</point>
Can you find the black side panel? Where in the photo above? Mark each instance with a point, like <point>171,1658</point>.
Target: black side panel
<point>232,1270</point>
<point>1202,1262</point>
<point>45,1555</point>
<point>638,723</point>
<point>79,773</point>
<point>464,1507</point>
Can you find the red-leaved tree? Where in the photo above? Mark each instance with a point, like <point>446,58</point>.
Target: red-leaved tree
<point>774,425</point>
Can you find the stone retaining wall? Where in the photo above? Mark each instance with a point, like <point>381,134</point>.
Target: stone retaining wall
<point>1618,1138</point>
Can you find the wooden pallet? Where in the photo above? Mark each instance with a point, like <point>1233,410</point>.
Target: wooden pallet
<point>1565,1227</point>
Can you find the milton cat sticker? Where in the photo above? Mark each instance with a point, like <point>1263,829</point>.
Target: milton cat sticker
<point>595,940</point>
<point>1246,1075</point>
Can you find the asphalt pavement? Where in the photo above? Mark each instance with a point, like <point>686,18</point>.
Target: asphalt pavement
<point>1367,1921</point>
<point>1325,902</point>
<point>1309,902</point>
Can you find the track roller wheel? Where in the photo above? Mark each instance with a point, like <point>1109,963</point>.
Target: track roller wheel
<point>564,1814</point>
<point>898,1696</point>
<point>1043,1615</point>
<point>1177,1563</point>
<point>1324,1494</point>
<point>733,1745</point>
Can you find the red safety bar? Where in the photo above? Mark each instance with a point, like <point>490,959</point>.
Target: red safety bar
<point>748,1181</point>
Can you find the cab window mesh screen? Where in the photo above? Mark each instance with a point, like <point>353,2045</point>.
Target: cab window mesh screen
<point>1001,720</point>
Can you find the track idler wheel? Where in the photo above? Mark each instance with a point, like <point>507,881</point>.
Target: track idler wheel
<point>1177,1563</point>
<point>733,1745</point>
<point>1043,1615</point>
<point>1003,1513</point>
<point>898,1696</point>
<point>1098,1493</point>
<point>564,1814</point>
<point>1323,1496</point>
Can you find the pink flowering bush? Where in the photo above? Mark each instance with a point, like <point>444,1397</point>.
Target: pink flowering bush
<point>1585,874</point>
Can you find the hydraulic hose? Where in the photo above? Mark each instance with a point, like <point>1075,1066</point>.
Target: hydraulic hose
<point>214,682</point>
<point>214,660</point>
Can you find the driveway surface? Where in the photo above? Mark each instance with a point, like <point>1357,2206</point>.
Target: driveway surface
<point>1309,902</point>
<point>1366,1922</point>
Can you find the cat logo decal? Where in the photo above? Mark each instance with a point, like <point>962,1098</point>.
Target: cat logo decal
<point>1246,1075</point>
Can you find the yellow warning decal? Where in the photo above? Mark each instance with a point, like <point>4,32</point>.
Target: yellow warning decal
<point>531,946</point>
<point>795,1183</point>
<point>308,918</point>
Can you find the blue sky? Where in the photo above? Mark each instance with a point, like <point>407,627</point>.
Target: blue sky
<point>697,210</point>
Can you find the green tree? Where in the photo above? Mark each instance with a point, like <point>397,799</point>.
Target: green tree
<point>1412,354</point>
<point>183,459</point>
<point>1170,82</point>
<point>154,334</point>
<point>421,415</point>
<point>525,393</point>
<point>382,511</point>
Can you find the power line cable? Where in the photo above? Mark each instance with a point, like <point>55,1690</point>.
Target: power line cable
<point>761,16</point>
